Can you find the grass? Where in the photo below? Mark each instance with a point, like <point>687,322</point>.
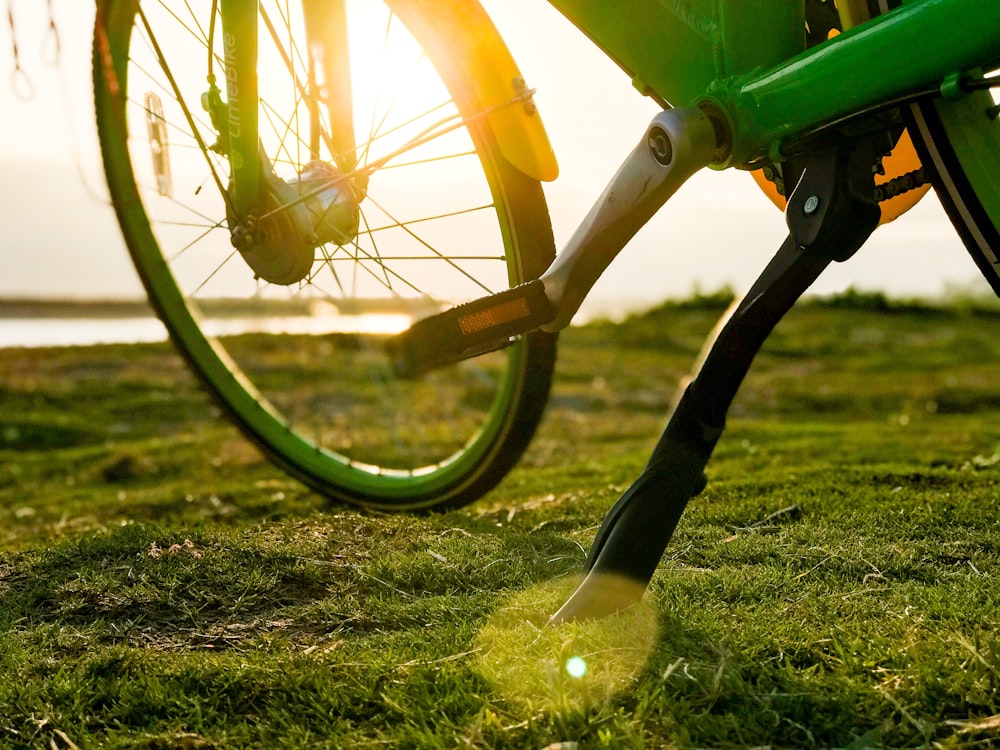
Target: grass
<point>837,584</point>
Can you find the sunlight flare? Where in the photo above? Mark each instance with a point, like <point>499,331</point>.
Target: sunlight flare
<point>573,665</point>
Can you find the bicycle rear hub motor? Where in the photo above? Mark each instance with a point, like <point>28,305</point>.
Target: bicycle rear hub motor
<point>317,207</point>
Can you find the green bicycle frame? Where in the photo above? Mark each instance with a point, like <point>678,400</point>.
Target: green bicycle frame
<point>918,46</point>
<point>748,59</point>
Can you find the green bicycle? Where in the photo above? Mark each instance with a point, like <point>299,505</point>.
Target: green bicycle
<point>298,182</point>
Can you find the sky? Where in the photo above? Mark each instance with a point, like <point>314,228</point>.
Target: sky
<point>60,238</point>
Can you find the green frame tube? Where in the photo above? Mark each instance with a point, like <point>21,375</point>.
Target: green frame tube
<point>239,41</point>
<point>749,59</point>
<point>918,46</point>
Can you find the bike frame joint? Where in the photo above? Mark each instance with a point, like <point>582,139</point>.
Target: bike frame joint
<point>676,144</point>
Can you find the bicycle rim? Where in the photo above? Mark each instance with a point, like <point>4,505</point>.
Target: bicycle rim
<point>301,368</point>
<point>962,144</point>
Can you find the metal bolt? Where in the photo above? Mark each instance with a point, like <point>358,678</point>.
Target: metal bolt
<point>525,94</point>
<point>660,147</point>
<point>811,204</point>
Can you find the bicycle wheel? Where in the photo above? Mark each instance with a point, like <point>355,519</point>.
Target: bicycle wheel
<point>960,140</point>
<point>444,219</point>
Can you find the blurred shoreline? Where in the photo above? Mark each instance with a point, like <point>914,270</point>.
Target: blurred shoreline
<point>40,323</point>
<point>19,309</point>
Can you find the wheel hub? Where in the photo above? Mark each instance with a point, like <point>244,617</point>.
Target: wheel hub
<point>317,207</point>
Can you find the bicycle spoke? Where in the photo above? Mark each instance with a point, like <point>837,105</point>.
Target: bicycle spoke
<point>178,97</point>
<point>200,35</point>
<point>193,243</point>
<point>364,260</point>
<point>301,93</point>
<point>436,217</point>
<point>440,256</point>
<point>194,292</point>
<point>418,162</point>
<point>378,90</point>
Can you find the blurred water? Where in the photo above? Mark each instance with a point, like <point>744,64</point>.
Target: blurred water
<point>38,332</point>
<point>84,331</point>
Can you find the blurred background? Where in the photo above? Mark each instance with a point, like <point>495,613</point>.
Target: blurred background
<point>59,238</point>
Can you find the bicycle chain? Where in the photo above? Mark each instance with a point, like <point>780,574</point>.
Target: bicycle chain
<point>883,192</point>
<point>902,184</point>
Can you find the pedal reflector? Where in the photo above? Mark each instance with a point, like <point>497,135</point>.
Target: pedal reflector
<point>498,314</point>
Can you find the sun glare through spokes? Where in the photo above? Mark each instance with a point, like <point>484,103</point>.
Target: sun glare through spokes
<point>416,166</point>
<point>574,665</point>
<point>426,226</point>
<point>395,92</point>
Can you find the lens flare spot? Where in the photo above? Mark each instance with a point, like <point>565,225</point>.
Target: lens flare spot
<point>576,664</point>
<point>576,667</point>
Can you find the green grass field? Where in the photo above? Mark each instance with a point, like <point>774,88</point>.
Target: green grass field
<point>836,585</point>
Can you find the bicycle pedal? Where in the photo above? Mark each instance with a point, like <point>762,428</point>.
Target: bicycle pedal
<point>470,329</point>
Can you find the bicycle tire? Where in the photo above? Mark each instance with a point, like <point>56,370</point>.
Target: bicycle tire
<point>965,174</point>
<point>326,406</point>
<point>958,140</point>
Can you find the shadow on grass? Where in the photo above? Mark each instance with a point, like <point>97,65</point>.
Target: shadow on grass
<point>178,588</point>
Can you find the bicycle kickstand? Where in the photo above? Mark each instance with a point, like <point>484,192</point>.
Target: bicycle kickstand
<point>830,214</point>
<point>676,144</point>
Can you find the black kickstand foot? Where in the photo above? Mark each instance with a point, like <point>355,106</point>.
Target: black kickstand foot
<point>635,532</point>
